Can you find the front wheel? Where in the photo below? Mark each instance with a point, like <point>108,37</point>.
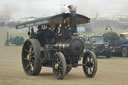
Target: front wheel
<point>59,65</point>
<point>124,52</point>
<point>90,64</point>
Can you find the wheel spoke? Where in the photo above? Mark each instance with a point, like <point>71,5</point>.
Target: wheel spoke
<point>33,61</point>
<point>32,52</point>
<point>28,66</point>
<point>90,70</point>
<point>28,44</point>
<point>26,59</point>
<point>32,68</point>
<point>86,62</point>
<point>60,72</point>
<point>60,67</point>
<point>59,62</point>
<point>26,51</point>
<point>93,63</point>
<point>90,59</point>
<point>30,48</point>
<point>57,71</point>
<point>87,58</point>
<point>86,67</point>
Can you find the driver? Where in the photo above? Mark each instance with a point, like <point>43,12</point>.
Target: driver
<point>39,29</point>
<point>31,33</point>
<point>50,36</point>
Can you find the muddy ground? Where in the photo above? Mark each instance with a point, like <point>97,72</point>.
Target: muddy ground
<point>112,71</point>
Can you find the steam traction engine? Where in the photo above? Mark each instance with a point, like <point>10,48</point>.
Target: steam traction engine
<point>57,45</point>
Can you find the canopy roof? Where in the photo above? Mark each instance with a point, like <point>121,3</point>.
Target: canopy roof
<point>53,20</point>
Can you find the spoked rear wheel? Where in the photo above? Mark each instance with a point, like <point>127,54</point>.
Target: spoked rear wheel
<point>59,65</point>
<point>90,67</point>
<point>30,57</point>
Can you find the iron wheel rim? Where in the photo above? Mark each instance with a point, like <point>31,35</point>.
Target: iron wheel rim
<point>59,69</point>
<point>89,65</point>
<point>28,58</point>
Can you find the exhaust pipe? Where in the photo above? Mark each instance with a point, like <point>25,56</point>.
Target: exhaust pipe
<point>73,19</point>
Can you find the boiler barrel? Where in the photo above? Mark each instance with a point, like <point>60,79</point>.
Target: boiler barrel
<point>70,47</point>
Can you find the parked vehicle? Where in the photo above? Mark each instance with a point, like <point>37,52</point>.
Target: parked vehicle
<point>119,42</point>
<point>98,45</point>
<point>17,40</point>
<point>123,42</point>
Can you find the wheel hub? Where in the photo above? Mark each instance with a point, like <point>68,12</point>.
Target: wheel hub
<point>28,57</point>
<point>56,66</point>
<point>89,64</point>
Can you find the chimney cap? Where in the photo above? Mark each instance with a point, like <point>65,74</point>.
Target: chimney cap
<point>72,8</point>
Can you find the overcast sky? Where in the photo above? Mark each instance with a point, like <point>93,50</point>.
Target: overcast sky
<point>40,8</point>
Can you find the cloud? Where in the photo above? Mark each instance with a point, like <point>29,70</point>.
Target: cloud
<point>8,9</point>
<point>22,8</point>
<point>103,7</point>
